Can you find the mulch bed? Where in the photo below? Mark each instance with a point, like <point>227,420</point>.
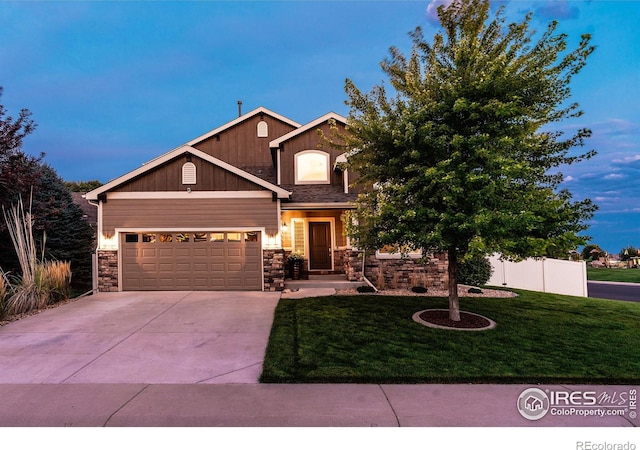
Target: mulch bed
<point>467,320</point>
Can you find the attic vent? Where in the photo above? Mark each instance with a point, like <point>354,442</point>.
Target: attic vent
<point>263,129</point>
<point>189,173</point>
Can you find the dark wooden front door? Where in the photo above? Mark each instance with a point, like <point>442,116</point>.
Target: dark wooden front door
<point>319,245</point>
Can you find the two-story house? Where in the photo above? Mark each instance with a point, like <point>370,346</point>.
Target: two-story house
<point>223,211</point>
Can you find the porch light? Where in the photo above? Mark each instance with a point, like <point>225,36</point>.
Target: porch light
<point>284,228</point>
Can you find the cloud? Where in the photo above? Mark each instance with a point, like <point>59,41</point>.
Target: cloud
<point>432,10</point>
<point>569,178</point>
<point>627,159</point>
<point>613,176</point>
<point>558,9</point>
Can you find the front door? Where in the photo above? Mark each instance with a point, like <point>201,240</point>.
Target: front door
<point>320,246</point>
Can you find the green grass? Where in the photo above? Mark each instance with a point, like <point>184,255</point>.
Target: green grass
<point>539,338</point>
<point>624,275</point>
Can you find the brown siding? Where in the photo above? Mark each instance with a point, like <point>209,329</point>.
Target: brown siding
<point>168,177</point>
<point>190,214</point>
<point>241,146</point>
<point>308,141</point>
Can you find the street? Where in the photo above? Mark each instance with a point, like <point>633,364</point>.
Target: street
<point>614,291</point>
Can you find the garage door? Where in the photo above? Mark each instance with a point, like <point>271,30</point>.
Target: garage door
<point>192,261</point>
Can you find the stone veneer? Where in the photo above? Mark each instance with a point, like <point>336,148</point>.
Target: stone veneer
<point>274,272</point>
<point>383,273</point>
<point>108,270</point>
<point>398,273</point>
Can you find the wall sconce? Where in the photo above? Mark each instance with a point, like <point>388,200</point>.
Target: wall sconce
<point>284,228</point>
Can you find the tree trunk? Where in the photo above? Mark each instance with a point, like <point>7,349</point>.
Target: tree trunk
<point>454,302</point>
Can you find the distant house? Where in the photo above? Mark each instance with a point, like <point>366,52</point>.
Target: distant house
<point>224,210</point>
<point>90,212</point>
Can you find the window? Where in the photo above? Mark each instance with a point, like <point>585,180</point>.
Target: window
<point>189,173</point>
<point>312,167</point>
<point>298,237</point>
<point>234,237</point>
<point>251,237</point>
<point>217,237</point>
<point>183,237</point>
<point>199,237</point>
<point>131,238</point>
<point>149,237</point>
<point>263,129</point>
<point>166,237</point>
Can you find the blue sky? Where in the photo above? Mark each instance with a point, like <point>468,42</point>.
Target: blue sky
<point>113,84</point>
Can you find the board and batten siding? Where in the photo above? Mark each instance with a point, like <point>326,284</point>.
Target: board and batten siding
<point>309,141</point>
<point>190,214</point>
<point>241,146</point>
<point>169,178</point>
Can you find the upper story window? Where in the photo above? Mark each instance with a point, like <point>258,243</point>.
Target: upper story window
<point>312,167</point>
<point>263,129</point>
<point>189,173</point>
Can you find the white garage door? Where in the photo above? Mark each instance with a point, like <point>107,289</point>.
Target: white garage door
<point>170,261</point>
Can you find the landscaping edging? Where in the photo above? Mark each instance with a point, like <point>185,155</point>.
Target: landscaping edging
<point>417,318</point>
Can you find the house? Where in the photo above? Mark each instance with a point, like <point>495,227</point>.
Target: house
<point>223,211</point>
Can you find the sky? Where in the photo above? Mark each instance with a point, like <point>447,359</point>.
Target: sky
<point>113,84</point>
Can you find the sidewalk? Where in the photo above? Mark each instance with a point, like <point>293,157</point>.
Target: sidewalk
<point>253,405</point>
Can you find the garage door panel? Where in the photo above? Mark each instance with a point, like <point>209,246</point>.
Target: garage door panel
<point>200,251</point>
<point>218,252</point>
<point>183,252</point>
<point>183,266</point>
<point>130,252</point>
<point>200,267</point>
<point>251,267</point>
<point>149,252</point>
<point>217,267</point>
<point>223,263</point>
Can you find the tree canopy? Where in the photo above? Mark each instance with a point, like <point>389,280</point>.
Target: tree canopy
<point>68,236</point>
<point>463,157</point>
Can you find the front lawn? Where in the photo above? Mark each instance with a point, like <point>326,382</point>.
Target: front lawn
<point>603,274</point>
<point>539,338</point>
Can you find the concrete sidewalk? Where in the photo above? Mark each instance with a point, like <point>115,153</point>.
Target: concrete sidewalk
<point>338,405</point>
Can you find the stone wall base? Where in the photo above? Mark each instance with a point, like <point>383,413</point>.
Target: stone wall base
<point>108,270</point>
<point>274,271</point>
<point>398,273</point>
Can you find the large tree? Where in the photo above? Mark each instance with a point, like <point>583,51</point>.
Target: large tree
<point>463,157</point>
<point>68,236</point>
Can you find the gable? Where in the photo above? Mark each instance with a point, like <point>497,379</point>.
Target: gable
<point>308,141</point>
<point>160,175</point>
<point>171,177</point>
<point>244,142</point>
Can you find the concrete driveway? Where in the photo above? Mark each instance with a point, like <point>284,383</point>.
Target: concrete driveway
<point>142,337</point>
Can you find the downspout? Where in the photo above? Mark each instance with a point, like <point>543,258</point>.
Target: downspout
<point>364,277</point>
<point>94,258</point>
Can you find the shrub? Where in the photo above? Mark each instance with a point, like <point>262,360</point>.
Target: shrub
<point>56,280</point>
<point>4,292</point>
<point>365,289</point>
<point>41,282</point>
<point>475,271</point>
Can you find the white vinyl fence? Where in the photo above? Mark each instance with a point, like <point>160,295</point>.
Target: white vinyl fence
<point>542,275</point>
